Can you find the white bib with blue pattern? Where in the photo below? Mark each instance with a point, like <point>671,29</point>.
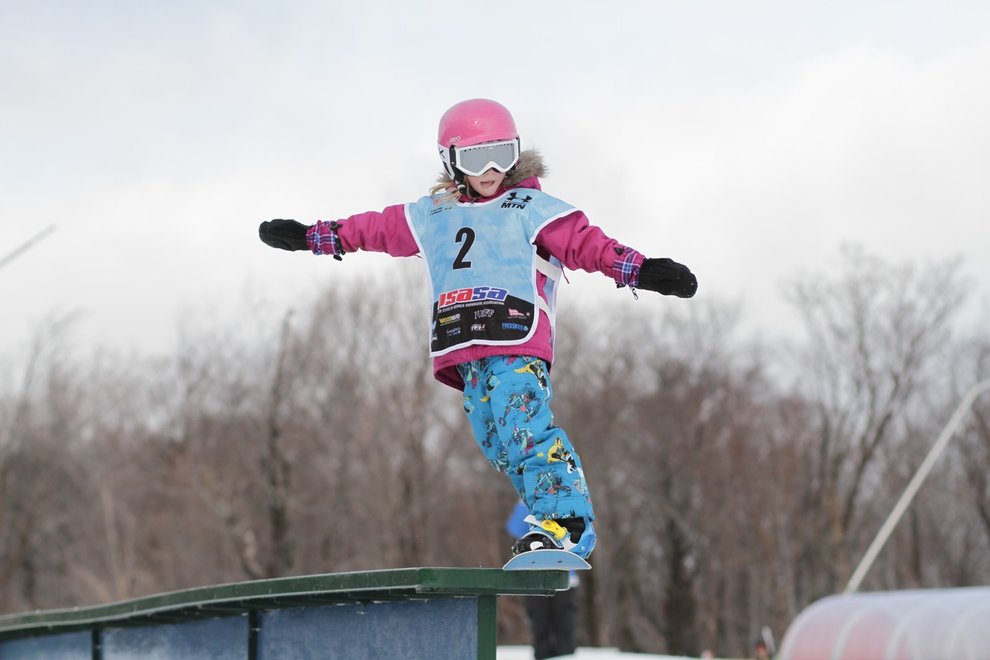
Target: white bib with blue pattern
<point>482,264</point>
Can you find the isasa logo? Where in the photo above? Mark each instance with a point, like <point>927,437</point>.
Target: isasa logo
<point>448,298</point>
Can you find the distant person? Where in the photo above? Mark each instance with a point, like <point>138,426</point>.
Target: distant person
<point>552,619</point>
<point>494,246</point>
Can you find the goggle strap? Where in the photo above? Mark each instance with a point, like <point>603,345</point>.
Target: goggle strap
<point>458,175</point>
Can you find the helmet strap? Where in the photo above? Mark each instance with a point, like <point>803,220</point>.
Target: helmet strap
<point>455,174</point>
<point>459,181</point>
<point>452,163</point>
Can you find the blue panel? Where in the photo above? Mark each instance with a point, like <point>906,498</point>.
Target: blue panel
<point>439,629</point>
<point>66,646</point>
<point>207,639</point>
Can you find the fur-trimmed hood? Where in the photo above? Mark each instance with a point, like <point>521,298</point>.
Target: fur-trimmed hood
<point>530,165</point>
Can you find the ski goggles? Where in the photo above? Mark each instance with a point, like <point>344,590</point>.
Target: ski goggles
<point>477,159</point>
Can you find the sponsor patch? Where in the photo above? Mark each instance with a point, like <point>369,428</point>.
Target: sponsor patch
<point>515,202</point>
<point>469,294</point>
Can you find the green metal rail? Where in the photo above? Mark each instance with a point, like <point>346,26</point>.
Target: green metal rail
<point>434,613</point>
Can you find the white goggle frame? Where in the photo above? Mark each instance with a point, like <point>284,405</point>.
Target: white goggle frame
<point>476,159</point>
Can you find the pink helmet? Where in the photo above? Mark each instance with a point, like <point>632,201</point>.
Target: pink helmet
<point>473,122</point>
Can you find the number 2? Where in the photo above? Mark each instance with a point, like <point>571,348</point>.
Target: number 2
<point>465,234</point>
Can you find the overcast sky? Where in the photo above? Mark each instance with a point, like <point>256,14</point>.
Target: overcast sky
<point>748,140</point>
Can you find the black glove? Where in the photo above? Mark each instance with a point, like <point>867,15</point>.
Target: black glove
<point>284,234</point>
<point>668,277</point>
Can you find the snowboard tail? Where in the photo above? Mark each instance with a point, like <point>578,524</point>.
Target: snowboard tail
<point>543,560</point>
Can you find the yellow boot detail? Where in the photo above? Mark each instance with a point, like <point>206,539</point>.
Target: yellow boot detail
<point>557,530</point>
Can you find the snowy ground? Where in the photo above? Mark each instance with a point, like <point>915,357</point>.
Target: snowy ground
<point>526,653</point>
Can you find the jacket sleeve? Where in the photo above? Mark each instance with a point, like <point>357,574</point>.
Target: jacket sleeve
<point>578,244</point>
<point>374,231</point>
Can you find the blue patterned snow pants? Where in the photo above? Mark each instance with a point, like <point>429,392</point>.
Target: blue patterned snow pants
<point>507,403</point>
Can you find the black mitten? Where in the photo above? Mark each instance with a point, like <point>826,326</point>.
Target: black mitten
<point>284,234</point>
<point>668,277</point>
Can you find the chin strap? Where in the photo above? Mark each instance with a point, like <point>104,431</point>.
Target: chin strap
<point>463,187</point>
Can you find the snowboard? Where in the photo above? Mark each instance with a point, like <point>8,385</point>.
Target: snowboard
<point>546,560</point>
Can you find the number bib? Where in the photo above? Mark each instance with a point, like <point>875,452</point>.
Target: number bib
<point>482,265</point>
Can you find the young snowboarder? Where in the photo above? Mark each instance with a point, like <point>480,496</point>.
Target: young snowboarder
<point>494,246</point>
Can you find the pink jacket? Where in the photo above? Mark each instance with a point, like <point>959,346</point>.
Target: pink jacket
<point>572,239</point>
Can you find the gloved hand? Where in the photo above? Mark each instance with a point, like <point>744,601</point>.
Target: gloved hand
<point>284,234</point>
<point>668,277</point>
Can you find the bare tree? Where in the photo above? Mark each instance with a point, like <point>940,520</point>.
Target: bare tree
<point>727,497</point>
<point>37,485</point>
<point>874,336</point>
<point>672,434</point>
